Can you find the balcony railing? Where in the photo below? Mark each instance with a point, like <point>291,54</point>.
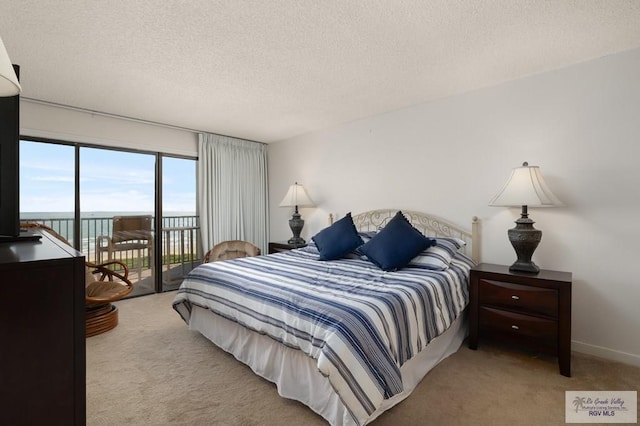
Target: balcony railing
<point>180,244</point>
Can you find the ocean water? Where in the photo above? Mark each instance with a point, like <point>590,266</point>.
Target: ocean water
<point>110,214</point>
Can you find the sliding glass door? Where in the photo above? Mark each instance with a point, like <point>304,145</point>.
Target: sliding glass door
<point>106,202</point>
<point>117,199</point>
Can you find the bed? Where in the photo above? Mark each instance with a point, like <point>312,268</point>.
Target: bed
<point>345,337</point>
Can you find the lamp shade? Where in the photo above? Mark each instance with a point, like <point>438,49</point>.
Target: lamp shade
<point>9,85</point>
<point>296,196</point>
<point>525,187</point>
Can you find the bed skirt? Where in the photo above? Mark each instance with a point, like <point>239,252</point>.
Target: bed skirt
<point>296,375</point>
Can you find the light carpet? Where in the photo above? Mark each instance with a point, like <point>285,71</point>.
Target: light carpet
<point>151,370</point>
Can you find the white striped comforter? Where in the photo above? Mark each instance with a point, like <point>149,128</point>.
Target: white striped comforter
<point>359,322</point>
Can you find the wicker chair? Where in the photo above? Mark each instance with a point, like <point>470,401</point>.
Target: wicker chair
<point>232,249</point>
<point>103,286</point>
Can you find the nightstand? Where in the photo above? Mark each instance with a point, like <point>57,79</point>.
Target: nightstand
<point>275,247</point>
<point>528,310</point>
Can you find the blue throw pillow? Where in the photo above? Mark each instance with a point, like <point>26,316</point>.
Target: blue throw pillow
<point>338,239</point>
<point>396,244</point>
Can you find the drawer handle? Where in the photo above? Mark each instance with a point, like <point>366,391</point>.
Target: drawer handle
<point>514,297</point>
<point>515,327</point>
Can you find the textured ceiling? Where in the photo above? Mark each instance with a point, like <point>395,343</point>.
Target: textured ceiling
<point>268,70</point>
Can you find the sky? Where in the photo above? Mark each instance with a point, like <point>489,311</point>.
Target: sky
<point>110,181</point>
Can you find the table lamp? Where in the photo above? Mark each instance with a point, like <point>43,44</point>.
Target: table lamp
<point>525,187</point>
<point>296,197</point>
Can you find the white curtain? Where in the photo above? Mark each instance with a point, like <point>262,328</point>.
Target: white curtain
<point>232,190</point>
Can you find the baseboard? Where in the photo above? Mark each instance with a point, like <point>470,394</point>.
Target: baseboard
<point>606,353</point>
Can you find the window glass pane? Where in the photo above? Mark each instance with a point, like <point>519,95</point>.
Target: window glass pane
<point>47,185</point>
<point>180,236</point>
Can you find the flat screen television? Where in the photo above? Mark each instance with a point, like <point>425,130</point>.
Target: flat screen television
<point>9,165</point>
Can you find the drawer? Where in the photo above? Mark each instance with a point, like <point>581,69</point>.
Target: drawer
<point>535,332</point>
<point>520,298</point>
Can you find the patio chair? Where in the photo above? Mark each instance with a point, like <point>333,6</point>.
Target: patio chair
<point>230,250</point>
<point>129,233</point>
<point>103,286</point>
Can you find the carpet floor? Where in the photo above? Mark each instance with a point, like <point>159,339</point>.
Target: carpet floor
<point>151,370</point>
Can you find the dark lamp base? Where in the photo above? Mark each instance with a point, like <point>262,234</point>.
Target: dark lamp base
<point>296,224</point>
<point>296,241</point>
<point>524,267</point>
<point>525,239</point>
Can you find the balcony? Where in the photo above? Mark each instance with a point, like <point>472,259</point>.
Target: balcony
<point>181,251</point>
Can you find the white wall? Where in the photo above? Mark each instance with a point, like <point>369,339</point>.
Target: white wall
<point>449,157</point>
<point>38,120</point>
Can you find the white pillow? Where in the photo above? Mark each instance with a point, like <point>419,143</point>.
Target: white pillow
<point>438,257</point>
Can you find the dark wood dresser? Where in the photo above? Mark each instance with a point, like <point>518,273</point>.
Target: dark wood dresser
<point>529,310</point>
<point>42,333</point>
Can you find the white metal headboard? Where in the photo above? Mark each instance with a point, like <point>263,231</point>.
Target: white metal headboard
<point>429,225</point>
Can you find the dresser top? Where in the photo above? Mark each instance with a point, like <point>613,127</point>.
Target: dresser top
<point>46,248</point>
<point>544,274</point>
